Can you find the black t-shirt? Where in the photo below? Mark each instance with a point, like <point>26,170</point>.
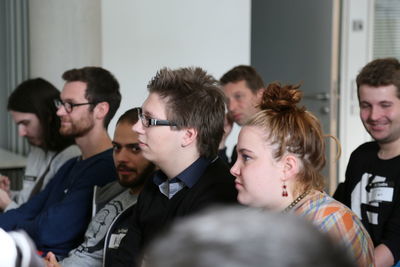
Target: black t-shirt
<point>371,190</point>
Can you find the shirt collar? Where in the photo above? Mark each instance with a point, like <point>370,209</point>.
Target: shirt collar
<point>189,176</point>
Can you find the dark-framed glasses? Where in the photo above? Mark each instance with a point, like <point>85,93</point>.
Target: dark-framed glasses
<point>147,122</point>
<point>69,106</point>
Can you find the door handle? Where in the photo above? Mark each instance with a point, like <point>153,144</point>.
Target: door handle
<point>318,96</point>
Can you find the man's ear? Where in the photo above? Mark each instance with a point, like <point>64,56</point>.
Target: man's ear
<point>260,93</point>
<point>101,110</point>
<point>189,136</point>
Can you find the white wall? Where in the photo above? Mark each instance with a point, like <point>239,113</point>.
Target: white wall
<point>355,53</point>
<point>63,35</point>
<point>139,37</point>
<point>135,38</point>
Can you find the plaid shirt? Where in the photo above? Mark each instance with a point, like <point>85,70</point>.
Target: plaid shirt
<point>339,222</point>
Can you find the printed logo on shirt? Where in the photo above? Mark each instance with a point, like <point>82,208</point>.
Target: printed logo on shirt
<point>371,191</point>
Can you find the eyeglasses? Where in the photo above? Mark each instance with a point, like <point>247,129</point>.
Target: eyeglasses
<point>69,106</point>
<point>147,122</point>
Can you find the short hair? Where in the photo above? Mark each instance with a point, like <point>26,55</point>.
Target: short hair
<point>238,236</point>
<point>193,99</point>
<point>130,116</point>
<point>37,96</point>
<point>291,128</point>
<point>102,86</point>
<point>380,72</point>
<point>244,73</point>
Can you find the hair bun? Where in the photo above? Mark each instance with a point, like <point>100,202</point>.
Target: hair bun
<point>281,98</point>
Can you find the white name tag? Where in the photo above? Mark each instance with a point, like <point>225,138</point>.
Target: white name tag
<point>379,194</point>
<point>115,240</point>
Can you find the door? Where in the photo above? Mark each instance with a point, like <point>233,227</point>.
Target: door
<point>297,42</point>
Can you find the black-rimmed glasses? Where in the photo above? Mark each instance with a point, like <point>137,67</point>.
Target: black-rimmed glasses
<point>70,106</point>
<point>147,122</point>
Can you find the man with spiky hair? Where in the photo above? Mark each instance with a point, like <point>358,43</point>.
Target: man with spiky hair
<point>180,127</point>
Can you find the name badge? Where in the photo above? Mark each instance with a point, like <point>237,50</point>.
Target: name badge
<point>115,240</point>
<point>379,194</point>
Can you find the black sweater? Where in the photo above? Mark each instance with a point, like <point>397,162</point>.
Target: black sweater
<point>154,211</point>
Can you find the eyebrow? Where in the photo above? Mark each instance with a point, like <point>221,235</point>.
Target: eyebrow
<point>242,150</point>
<point>22,121</point>
<point>126,145</point>
<point>149,114</point>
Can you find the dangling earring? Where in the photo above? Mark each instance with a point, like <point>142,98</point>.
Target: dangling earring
<point>284,190</point>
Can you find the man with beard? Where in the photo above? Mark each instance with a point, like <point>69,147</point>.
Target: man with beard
<point>114,201</point>
<point>57,217</point>
<point>372,184</point>
<point>31,107</point>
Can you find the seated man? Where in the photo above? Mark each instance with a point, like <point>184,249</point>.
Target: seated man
<point>371,187</point>
<point>57,217</point>
<point>114,202</point>
<point>243,88</point>
<point>181,124</point>
<point>32,108</point>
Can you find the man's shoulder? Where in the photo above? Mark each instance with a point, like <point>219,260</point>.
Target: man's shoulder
<point>218,171</point>
<point>109,191</point>
<point>366,150</point>
<point>371,146</point>
<point>100,161</point>
<point>104,155</point>
<point>218,181</point>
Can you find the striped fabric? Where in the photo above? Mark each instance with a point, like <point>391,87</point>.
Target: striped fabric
<point>340,223</point>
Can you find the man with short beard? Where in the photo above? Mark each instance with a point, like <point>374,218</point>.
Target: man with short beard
<point>115,201</point>
<point>57,217</point>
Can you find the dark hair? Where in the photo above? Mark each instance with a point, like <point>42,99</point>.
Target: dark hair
<point>130,116</point>
<point>37,96</point>
<point>290,128</point>
<point>239,236</point>
<point>380,72</point>
<point>101,87</point>
<point>246,73</point>
<point>193,99</point>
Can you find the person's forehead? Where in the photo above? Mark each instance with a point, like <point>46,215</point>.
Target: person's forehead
<point>154,105</point>
<point>377,93</point>
<point>73,91</point>
<point>23,116</point>
<point>234,87</point>
<point>124,134</point>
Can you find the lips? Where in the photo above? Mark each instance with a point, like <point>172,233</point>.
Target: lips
<point>141,144</point>
<point>125,170</point>
<point>238,185</point>
<point>377,126</point>
<point>236,116</point>
<point>65,122</point>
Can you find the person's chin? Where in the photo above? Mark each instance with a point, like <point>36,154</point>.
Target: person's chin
<point>126,182</point>
<point>378,135</point>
